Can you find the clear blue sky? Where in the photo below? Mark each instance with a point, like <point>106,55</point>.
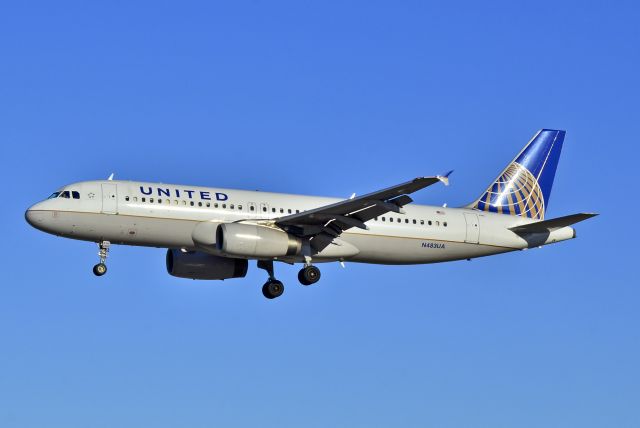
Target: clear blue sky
<point>327,98</point>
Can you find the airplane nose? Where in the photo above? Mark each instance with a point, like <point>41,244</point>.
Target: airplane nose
<point>31,217</point>
<point>35,217</point>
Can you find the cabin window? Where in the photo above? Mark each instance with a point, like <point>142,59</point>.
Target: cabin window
<point>444,224</point>
<point>383,219</point>
<point>159,200</point>
<point>273,210</point>
<point>429,222</point>
<point>399,220</point>
<point>289,210</point>
<point>192,203</point>
<point>422,222</point>
<point>199,204</point>
<point>135,199</point>
<point>264,209</point>
<point>414,221</point>
<point>297,211</point>
<point>175,202</point>
<point>224,206</point>
<point>208,204</point>
<point>437,223</point>
<point>252,208</point>
<point>281,210</point>
<point>215,205</point>
<point>151,199</point>
<point>144,199</point>
<point>126,198</point>
<point>231,206</point>
<point>239,207</point>
<point>406,220</point>
<point>184,202</point>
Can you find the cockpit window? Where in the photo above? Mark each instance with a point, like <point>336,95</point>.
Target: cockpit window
<point>54,195</point>
<point>65,194</point>
<point>76,195</point>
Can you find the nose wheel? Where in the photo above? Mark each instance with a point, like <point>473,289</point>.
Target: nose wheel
<point>101,268</point>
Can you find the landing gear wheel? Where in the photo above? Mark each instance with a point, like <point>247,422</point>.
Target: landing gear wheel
<point>309,275</point>
<point>272,289</point>
<point>99,269</point>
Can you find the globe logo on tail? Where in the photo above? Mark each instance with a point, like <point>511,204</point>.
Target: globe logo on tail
<point>515,192</point>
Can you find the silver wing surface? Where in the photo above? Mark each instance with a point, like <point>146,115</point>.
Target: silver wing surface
<point>321,225</point>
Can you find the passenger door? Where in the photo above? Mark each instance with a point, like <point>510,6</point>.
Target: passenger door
<point>473,228</point>
<point>109,198</point>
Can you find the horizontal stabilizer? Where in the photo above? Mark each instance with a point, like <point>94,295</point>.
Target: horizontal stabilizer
<point>553,224</point>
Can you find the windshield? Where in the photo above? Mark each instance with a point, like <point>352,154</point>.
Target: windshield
<point>66,194</point>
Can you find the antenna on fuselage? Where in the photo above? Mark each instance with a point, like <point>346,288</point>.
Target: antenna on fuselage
<point>110,177</point>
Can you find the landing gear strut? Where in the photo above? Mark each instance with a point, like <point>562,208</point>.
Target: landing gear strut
<point>101,268</point>
<point>309,275</point>
<point>272,288</point>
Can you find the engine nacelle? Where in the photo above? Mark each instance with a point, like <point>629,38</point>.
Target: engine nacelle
<point>250,240</point>
<point>197,265</point>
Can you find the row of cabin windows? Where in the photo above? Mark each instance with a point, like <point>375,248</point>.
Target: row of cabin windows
<point>414,221</point>
<point>252,208</point>
<point>204,204</point>
<point>275,210</point>
<point>183,202</point>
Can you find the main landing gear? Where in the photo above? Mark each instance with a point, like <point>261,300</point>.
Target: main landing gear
<point>101,268</point>
<point>309,275</point>
<point>273,288</point>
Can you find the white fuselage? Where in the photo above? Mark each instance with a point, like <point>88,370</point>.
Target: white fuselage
<point>159,215</point>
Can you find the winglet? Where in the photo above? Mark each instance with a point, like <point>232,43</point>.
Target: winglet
<point>444,178</point>
<point>110,177</point>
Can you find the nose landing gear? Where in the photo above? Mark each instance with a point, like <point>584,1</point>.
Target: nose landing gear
<point>101,268</point>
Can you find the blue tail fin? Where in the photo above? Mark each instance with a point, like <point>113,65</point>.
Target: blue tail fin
<point>524,187</point>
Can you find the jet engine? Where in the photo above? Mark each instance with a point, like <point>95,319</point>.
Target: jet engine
<point>250,240</point>
<point>197,265</point>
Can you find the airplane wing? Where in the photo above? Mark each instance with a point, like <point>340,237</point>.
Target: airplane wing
<point>552,224</point>
<point>325,223</point>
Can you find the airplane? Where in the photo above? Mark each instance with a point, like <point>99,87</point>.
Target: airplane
<point>212,233</point>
